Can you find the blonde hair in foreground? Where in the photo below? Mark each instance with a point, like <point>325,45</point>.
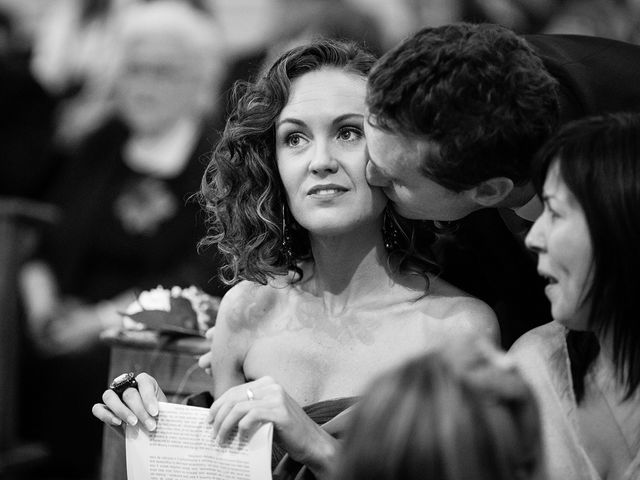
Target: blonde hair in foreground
<point>463,412</point>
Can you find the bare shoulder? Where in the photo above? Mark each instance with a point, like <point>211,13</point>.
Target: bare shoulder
<point>464,314</point>
<point>473,316</point>
<point>241,310</point>
<point>245,305</point>
<point>542,341</point>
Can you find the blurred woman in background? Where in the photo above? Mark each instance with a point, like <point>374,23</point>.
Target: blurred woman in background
<point>126,224</point>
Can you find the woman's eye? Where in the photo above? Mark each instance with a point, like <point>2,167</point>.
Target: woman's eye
<point>552,213</point>
<point>350,134</point>
<point>293,140</point>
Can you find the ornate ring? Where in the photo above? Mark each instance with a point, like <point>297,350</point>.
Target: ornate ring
<point>250,394</point>
<point>122,382</point>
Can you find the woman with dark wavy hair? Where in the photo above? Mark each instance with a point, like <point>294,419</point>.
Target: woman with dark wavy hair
<point>585,365</point>
<point>325,296</point>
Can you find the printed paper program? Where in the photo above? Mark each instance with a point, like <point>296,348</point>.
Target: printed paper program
<point>183,447</point>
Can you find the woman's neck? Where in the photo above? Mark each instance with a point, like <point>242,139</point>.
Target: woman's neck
<point>349,270</point>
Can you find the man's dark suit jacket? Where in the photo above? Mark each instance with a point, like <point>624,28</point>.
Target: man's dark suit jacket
<point>485,258</point>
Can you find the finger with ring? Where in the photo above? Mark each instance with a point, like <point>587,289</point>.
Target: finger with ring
<point>250,394</point>
<point>122,382</point>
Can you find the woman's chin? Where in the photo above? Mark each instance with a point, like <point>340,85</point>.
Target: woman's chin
<point>337,227</point>
<point>572,322</point>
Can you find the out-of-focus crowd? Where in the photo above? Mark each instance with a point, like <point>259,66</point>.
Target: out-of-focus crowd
<point>110,110</point>
<point>73,46</point>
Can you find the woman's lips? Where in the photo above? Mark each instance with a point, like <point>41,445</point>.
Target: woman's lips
<point>326,191</point>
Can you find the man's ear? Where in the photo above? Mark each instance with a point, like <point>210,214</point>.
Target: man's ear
<point>492,191</point>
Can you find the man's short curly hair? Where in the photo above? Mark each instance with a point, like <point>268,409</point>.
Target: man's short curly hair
<point>478,91</point>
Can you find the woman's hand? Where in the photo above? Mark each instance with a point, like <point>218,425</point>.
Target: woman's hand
<point>74,328</point>
<point>250,405</point>
<point>137,404</point>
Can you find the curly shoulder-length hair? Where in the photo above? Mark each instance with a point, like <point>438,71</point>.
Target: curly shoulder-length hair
<point>242,192</point>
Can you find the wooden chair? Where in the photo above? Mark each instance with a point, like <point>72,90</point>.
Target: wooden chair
<point>20,220</point>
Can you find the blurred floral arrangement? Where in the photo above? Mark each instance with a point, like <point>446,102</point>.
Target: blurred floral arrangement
<point>188,311</point>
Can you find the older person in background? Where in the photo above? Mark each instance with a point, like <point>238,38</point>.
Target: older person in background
<point>456,413</point>
<point>73,49</point>
<point>126,222</point>
<point>123,192</point>
<point>585,365</point>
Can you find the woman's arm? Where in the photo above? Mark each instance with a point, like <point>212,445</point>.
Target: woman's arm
<point>63,324</point>
<point>249,405</point>
<point>39,293</point>
<point>232,339</point>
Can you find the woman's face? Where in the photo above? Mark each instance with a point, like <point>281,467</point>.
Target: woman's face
<point>320,150</point>
<point>159,84</point>
<point>561,238</point>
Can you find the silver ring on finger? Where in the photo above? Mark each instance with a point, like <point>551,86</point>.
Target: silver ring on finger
<point>250,394</point>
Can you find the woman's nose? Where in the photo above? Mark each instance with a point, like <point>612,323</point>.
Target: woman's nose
<point>535,238</point>
<point>323,159</point>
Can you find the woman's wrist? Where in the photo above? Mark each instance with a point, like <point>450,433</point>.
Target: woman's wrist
<point>107,314</point>
<point>324,451</point>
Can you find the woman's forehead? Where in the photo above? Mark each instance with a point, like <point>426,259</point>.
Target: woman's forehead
<point>326,89</point>
<point>556,188</point>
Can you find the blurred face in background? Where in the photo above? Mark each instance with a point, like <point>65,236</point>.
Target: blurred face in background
<point>160,83</point>
<point>26,15</point>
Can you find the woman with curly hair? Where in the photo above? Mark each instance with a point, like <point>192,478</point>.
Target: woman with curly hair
<point>330,288</point>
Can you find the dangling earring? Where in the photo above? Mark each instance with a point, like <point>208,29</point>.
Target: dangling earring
<point>390,232</point>
<point>287,242</point>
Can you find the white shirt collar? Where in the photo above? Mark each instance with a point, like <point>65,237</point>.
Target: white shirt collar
<point>163,156</point>
<point>530,210</point>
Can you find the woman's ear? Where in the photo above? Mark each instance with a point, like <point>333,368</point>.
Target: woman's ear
<point>490,192</point>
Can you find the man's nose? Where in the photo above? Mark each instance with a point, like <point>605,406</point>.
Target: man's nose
<point>374,177</point>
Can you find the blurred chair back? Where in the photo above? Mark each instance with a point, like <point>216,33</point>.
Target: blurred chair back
<point>20,220</point>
